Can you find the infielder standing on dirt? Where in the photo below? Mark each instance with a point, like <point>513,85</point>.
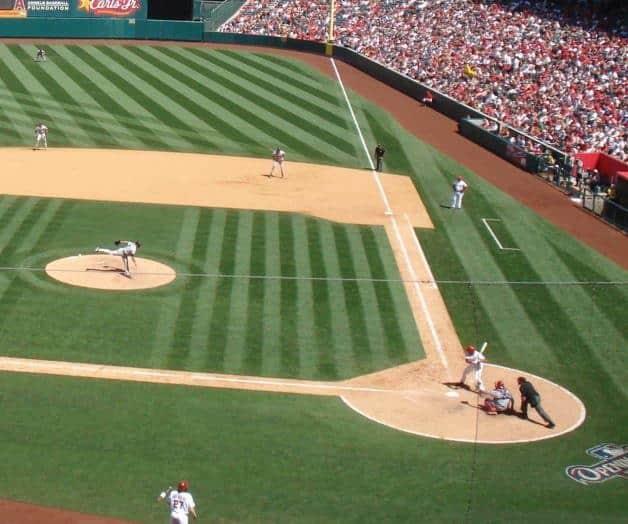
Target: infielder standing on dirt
<point>459,187</point>
<point>180,502</point>
<point>475,362</point>
<point>278,158</point>
<point>41,136</point>
<point>128,249</point>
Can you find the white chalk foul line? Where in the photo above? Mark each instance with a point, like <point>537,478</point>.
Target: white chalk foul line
<point>490,230</point>
<point>428,317</point>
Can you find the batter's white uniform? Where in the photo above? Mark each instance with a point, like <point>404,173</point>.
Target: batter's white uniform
<point>475,364</point>
<point>41,136</point>
<point>180,503</point>
<point>278,157</point>
<point>459,187</point>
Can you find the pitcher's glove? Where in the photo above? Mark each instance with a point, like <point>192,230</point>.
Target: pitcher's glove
<point>117,242</point>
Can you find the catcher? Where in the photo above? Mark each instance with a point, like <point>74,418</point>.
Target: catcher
<point>500,400</point>
<point>128,249</point>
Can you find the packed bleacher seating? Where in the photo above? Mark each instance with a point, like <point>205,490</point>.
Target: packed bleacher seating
<point>557,73</point>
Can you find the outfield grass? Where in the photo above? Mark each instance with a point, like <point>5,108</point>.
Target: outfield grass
<point>274,458</point>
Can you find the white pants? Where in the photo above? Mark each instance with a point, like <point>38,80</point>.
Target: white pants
<point>456,199</point>
<point>278,165</point>
<point>41,139</point>
<point>477,370</point>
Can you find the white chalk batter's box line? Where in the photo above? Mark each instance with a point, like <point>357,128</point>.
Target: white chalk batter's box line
<point>490,230</point>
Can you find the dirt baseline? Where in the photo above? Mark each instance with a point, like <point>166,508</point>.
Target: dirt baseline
<point>411,398</point>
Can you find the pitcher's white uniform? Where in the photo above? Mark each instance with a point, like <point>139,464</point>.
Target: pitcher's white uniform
<point>41,136</point>
<point>180,503</point>
<point>475,363</point>
<point>278,157</point>
<point>127,250</point>
<point>459,187</point>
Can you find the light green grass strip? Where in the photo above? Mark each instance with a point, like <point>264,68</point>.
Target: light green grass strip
<point>305,300</point>
<point>200,328</point>
<point>31,239</point>
<point>169,309</point>
<point>236,338</point>
<point>341,329</point>
<point>10,229</point>
<point>272,299</point>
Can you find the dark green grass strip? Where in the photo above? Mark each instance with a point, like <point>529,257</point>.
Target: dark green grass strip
<point>288,95</point>
<point>395,343</point>
<point>219,322</point>
<point>33,109</point>
<point>255,314</point>
<point>308,85</point>
<point>29,221</point>
<point>6,219</point>
<point>97,133</point>
<point>502,233</point>
<point>225,127</point>
<point>289,345</point>
<point>361,345</point>
<point>608,299</point>
<point>286,138</point>
<point>135,94</point>
<point>395,159</point>
<point>281,112</point>
<point>109,104</point>
<point>9,134</point>
<point>190,296</point>
<point>325,364</point>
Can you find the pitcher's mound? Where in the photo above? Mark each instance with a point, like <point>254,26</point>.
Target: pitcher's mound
<point>106,272</point>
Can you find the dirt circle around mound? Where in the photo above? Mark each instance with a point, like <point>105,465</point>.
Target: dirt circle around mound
<point>106,272</point>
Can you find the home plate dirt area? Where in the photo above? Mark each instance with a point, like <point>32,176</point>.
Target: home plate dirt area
<point>411,398</point>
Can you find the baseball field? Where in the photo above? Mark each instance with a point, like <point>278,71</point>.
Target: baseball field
<point>293,370</point>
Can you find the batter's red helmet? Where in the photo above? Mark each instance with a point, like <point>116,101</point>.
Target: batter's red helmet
<point>470,349</point>
<point>183,486</point>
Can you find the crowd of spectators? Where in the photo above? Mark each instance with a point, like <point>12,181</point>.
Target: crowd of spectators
<point>557,73</point>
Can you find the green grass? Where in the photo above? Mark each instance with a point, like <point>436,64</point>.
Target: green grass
<point>279,458</point>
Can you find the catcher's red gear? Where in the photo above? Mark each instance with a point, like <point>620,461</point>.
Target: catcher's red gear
<point>470,349</point>
<point>182,486</point>
<point>499,384</point>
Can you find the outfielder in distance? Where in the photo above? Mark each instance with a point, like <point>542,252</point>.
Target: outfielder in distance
<point>180,503</point>
<point>128,249</point>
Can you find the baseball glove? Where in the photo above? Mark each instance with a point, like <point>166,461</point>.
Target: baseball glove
<point>117,242</point>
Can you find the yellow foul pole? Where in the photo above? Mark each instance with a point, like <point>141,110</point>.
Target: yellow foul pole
<point>329,46</point>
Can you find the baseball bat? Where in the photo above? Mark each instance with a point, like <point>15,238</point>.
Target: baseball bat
<point>483,347</point>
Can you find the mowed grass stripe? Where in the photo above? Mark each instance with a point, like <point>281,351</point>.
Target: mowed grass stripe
<point>286,105</point>
<point>342,329</point>
<point>12,131</point>
<point>192,94</point>
<point>272,298</point>
<point>199,349</point>
<point>308,348</point>
<point>236,338</point>
<point>190,295</point>
<point>182,110</point>
<point>255,110</point>
<point>33,109</point>
<point>290,362</point>
<point>63,91</point>
<point>326,367</point>
<point>252,362</point>
<point>220,319</point>
<point>183,137</point>
<point>113,114</point>
<point>384,305</point>
<point>267,79</point>
<point>285,70</point>
<point>163,351</point>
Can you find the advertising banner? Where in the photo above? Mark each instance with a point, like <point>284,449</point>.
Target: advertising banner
<point>74,8</point>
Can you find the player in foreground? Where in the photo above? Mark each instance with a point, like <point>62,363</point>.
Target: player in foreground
<point>500,400</point>
<point>475,363</point>
<point>180,503</point>
<point>128,249</point>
